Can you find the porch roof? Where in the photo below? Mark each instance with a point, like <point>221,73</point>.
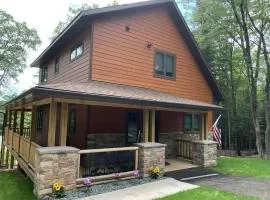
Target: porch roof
<point>117,93</point>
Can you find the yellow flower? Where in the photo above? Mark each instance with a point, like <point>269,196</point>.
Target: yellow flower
<point>55,185</point>
<point>57,188</point>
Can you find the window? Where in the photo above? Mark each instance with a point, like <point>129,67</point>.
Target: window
<point>43,75</point>
<point>72,122</point>
<point>39,120</point>
<point>165,64</point>
<point>76,51</point>
<point>56,65</point>
<point>192,122</point>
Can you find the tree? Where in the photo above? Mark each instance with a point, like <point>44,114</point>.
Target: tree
<point>73,11</point>
<point>15,40</point>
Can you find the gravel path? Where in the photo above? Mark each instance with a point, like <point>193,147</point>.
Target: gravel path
<point>102,188</point>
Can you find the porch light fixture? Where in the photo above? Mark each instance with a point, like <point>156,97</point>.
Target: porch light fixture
<point>149,45</point>
<point>127,28</point>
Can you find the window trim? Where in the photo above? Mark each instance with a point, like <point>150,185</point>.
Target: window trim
<point>192,122</point>
<point>56,59</point>
<point>154,64</point>
<point>75,47</point>
<point>41,75</point>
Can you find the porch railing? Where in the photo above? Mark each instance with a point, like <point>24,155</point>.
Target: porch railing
<point>104,164</point>
<point>185,148</point>
<point>22,145</point>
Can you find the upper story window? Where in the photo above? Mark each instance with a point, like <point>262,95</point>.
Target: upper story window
<point>56,65</point>
<point>165,64</point>
<point>76,51</point>
<point>43,75</point>
<point>72,122</point>
<point>192,122</point>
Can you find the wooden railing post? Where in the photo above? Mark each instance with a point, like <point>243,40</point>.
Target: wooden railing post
<point>52,123</point>
<point>33,124</point>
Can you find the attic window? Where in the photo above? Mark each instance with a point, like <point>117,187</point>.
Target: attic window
<point>43,75</point>
<point>164,64</point>
<point>76,51</point>
<point>56,65</point>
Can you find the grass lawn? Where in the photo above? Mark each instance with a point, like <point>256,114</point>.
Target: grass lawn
<point>207,194</point>
<point>244,166</point>
<point>15,186</point>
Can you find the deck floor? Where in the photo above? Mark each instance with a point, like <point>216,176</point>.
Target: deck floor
<point>178,164</point>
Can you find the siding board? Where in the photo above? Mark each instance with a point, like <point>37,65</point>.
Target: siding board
<point>122,57</point>
<point>75,71</point>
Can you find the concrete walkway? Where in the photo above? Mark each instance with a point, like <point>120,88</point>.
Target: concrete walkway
<point>148,191</point>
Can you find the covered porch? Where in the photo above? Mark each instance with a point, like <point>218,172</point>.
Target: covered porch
<point>103,121</point>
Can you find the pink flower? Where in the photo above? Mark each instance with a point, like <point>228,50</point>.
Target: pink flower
<point>87,181</point>
<point>117,175</point>
<point>136,174</point>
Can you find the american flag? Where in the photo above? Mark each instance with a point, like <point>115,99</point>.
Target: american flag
<point>217,132</point>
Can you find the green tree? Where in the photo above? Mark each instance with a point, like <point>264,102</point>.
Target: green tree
<point>73,11</point>
<point>15,40</point>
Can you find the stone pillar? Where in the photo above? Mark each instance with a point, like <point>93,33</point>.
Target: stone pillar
<point>151,154</point>
<point>55,164</point>
<point>205,153</point>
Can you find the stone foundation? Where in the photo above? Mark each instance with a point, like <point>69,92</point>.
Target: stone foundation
<point>55,164</point>
<point>105,140</point>
<point>151,154</point>
<point>170,140</point>
<point>205,153</point>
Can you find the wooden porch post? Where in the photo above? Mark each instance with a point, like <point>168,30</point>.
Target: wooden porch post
<point>33,123</point>
<point>52,123</point>
<point>202,127</point>
<point>15,121</point>
<point>145,125</point>
<point>153,125</point>
<point>21,128</point>
<point>9,119</point>
<point>206,125</point>
<point>64,124</point>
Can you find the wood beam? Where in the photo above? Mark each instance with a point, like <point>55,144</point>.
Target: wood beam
<point>63,124</point>
<point>9,118</point>
<point>34,103</point>
<point>145,125</point>
<point>153,126</point>
<point>33,123</point>
<point>52,123</point>
<point>124,105</point>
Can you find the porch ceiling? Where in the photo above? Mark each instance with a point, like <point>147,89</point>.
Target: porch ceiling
<point>113,93</point>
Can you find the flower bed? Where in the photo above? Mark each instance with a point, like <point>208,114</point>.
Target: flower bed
<point>102,188</point>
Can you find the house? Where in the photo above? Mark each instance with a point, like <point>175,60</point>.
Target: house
<point>114,77</point>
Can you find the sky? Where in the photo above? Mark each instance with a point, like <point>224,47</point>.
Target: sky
<point>43,15</point>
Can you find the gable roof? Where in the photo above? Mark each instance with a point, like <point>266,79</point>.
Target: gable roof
<point>86,17</point>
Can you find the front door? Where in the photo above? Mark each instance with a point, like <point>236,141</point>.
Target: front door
<point>132,127</point>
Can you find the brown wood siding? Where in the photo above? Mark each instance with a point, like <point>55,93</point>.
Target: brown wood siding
<point>171,122</point>
<point>107,120</point>
<point>71,71</point>
<point>122,57</point>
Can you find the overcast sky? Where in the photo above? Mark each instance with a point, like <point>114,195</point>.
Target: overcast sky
<point>42,15</point>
